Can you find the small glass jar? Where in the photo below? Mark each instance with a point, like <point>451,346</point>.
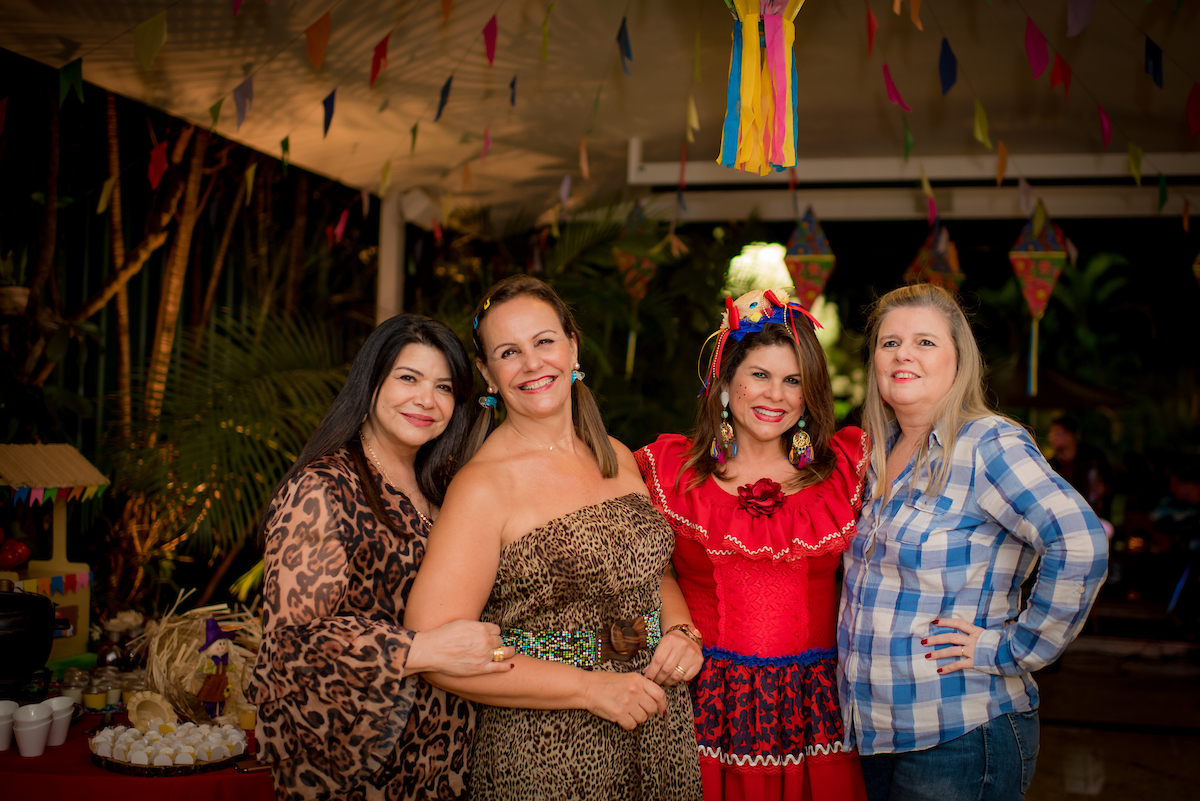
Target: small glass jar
<point>112,692</point>
<point>72,691</point>
<point>131,686</point>
<point>95,698</point>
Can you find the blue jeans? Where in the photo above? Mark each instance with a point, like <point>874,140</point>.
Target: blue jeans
<point>992,763</point>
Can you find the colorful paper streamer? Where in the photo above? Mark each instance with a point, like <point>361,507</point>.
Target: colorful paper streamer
<point>243,96</point>
<point>328,103</point>
<point>1036,50</point>
<point>623,46</point>
<point>316,40</point>
<point>148,39</point>
<point>489,39</point>
<point>443,97</point>
<point>158,164</point>
<point>981,125</point>
<point>947,67</point>
<point>1060,73</point>
<point>379,58</point>
<point>1154,56</point>
<point>893,93</point>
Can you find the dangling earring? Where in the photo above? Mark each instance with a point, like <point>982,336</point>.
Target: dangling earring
<point>576,375</point>
<point>728,442</point>
<point>802,450</point>
<point>489,401</point>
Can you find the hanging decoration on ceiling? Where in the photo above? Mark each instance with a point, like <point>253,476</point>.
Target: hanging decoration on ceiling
<point>936,261</point>
<point>379,58</point>
<point>809,259</point>
<point>1024,196</point>
<point>1061,73</point>
<point>1154,62</point>
<point>214,111</point>
<point>1079,15</point>
<point>70,76</point>
<point>285,147</point>
<point>237,6</point>
<point>442,98</point>
<point>316,39</point>
<point>930,200</point>
<point>328,102</point>
<point>636,274</point>
<point>981,126</point>
<point>1105,125</point>
<point>489,39</point>
<point>148,39</point>
<point>1036,50</point>
<point>1162,192</point>
<point>243,96</point>
<point>893,94</point>
<point>761,113</point>
<point>914,13</point>
<point>158,164</point>
<point>546,33</point>
<point>412,148</point>
<point>947,67</point>
<point>623,46</point>
<point>693,117</point>
<point>1135,163</point>
<point>1037,258</point>
<point>446,5</point>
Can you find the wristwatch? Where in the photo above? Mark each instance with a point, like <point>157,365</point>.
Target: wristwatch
<point>689,631</point>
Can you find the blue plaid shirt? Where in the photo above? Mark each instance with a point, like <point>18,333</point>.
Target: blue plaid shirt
<point>962,554</point>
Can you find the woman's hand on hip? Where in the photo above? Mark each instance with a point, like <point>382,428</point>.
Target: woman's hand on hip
<point>961,644</point>
<point>460,648</point>
<point>626,699</point>
<point>676,659</point>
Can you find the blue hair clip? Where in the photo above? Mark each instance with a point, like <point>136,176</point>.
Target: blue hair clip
<point>476,326</point>
<point>488,401</point>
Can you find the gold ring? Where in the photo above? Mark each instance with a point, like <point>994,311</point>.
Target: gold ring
<point>679,669</point>
<point>497,654</point>
<point>962,650</point>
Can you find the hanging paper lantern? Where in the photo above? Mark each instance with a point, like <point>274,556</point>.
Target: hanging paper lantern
<point>936,262</point>
<point>761,114</point>
<point>809,259</point>
<point>1038,258</point>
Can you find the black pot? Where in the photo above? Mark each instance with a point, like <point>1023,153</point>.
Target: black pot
<point>27,626</point>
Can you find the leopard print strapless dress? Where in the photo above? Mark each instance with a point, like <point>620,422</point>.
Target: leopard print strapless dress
<point>596,564</point>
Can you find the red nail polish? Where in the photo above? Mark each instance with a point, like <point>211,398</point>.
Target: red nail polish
<point>925,642</point>
<point>939,670</point>
<point>935,622</point>
<point>929,656</point>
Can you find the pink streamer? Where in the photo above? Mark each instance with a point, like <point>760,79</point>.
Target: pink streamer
<point>1035,48</point>
<point>893,93</point>
<point>933,212</point>
<point>341,226</point>
<point>777,57</point>
<point>489,39</point>
<point>1105,125</point>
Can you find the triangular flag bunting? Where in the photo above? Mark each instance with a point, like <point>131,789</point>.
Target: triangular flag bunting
<point>285,147</point>
<point>385,178</point>
<point>443,97</point>
<point>43,586</point>
<point>981,125</point>
<point>1001,162</point>
<point>1024,196</point>
<point>872,26</point>
<point>1162,192</point>
<point>1105,125</point>
<point>1035,48</point>
<point>148,39</point>
<point>926,187</point>
<point>237,6</point>
<point>1154,62</point>
<point>489,40</point>
<point>243,96</point>
<point>947,66</point>
<point>693,117</point>
<point>583,158</point>
<point>546,33</point>
<point>106,195</point>
<point>328,103</point>
<point>52,492</point>
<point>158,164</point>
<point>1061,73</point>
<point>316,39</point>
<point>214,111</point>
<point>1079,14</point>
<point>893,94</point>
<point>623,46</point>
<point>69,583</point>
<point>412,148</point>
<point>446,4</point>
<point>379,58</point>
<point>35,495</point>
<point>512,91</point>
<point>56,585</point>
<point>914,13</point>
<point>1193,109</point>
<point>70,76</point>
<point>1135,163</point>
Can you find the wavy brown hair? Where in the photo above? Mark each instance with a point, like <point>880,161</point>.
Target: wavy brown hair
<point>818,402</point>
<point>589,425</point>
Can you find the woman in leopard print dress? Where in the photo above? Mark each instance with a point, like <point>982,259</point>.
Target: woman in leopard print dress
<point>342,711</point>
<point>548,531</point>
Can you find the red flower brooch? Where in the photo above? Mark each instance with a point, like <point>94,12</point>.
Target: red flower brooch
<point>762,498</point>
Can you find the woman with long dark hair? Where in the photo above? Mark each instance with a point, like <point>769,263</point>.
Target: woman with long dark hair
<point>762,497</point>
<point>341,709</point>
<point>548,532</point>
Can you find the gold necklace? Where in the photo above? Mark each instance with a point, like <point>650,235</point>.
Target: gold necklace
<point>388,478</point>
<point>527,439</point>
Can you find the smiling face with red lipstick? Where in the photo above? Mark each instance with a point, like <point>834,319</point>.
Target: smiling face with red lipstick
<point>415,402</point>
<point>529,356</point>
<point>766,397</point>
<point>915,362</point>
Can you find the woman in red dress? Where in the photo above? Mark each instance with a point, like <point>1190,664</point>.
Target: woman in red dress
<point>763,500</point>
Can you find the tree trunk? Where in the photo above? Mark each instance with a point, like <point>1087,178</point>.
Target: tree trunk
<point>172,285</point>
<point>117,235</point>
<point>291,292</point>
<point>45,265</point>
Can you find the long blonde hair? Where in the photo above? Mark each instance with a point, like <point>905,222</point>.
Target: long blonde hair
<point>963,403</point>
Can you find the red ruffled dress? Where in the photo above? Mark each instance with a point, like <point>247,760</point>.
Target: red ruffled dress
<point>762,590</point>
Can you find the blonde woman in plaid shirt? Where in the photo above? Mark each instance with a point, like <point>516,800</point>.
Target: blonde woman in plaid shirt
<point>934,648</point>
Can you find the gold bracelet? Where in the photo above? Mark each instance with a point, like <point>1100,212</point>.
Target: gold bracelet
<point>689,631</point>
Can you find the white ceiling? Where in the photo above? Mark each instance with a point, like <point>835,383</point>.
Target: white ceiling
<point>843,106</point>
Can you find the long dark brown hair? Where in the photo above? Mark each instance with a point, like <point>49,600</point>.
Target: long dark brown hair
<point>589,425</point>
<point>437,459</point>
<point>818,402</point>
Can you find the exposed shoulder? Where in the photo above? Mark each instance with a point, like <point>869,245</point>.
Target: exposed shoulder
<point>627,464</point>
<point>478,484</point>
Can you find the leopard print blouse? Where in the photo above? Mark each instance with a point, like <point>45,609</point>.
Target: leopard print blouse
<point>336,717</point>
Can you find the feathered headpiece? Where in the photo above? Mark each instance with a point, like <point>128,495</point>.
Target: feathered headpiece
<point>749,314</point>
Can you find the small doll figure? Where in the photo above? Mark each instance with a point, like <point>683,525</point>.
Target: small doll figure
<point>215,689</point>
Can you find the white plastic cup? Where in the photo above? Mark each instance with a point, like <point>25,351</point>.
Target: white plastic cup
<point>32,713</point>
<point>32,737</point>
<point>6,733</point>
<point>7,708</point>
<point>64,708</point>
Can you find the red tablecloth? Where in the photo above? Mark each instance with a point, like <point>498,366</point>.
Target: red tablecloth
<point>66,772</point>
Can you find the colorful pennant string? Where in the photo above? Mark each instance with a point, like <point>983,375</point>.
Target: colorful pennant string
<point>1001,162</point>
<point>1035,48</point>
<point>623,46</point>
<point>214,111</point>
<point>316,39</point>
<point>693,117</point>
<point>70,76</point>
<point>328,103</point>
<point>1105,125</point>
<point>412,148</point>
<point>148,39</point>
<point>546,33</point>
<point>489,39</point>
<point>442,98</point>
<point>947,67</point>
<point>243,96</point>
<point>1060,73</point>
<point>1154,56</point>
<point>914,13</point>
<point>1135,163</point>
<point>872,26</point>
<point>237,6</point>
<point>446,5</point>
<point>893,94</point>
<point>379,58</point>
<point>158,164</point>
<point>1079,15</point>
<point>981,125</point>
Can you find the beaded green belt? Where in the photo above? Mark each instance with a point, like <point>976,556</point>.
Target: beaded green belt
<point>586,648</point>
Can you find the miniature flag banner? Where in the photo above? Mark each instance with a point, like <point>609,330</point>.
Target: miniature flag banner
<point>1154,62</point>
<point>489,39</point>
<point>1024,196</point>
<point>1079,14</point>
<point>250,172</point>
<point>379,58</point>
<point>1105,125</point>
<point>896,7</point>
<point>893,94</point>
<point>445,95</point>
<point>583,158</point>
<point>1061,73</point>
<point>214,111</point>
<point>148,39</point>
<point>947,66</point>
<point>546,33</point>
<point>285,147</point>
<point>158,164</point>
<point>237,6</point>
<point>106,194</point>
<point>385,178</point>
<point>35,495</point>
<point>512,91</point>
<point>56,585</point>
<point>1135,163</point>
<point>243,96</point>
<point>446,4</point>
<point>328,102</point>
<point>914,13</point>
<point>872,26</point>
<point>693,117</point>
<point>70,76</point>
<point>981,125</point>
<point>926,187</point>
<point>316,39</point>
<point>1035,48</point>
<point>51,494</point>
<point>1193,109</point>
<point>1162,192</point>
<point>623,46</point>
<point>412,148</point>
<point>487,143</point>
<point>69,583</point>
<point>43,586</point>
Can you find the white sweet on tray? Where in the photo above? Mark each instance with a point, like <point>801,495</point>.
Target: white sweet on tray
<point>185,744</point>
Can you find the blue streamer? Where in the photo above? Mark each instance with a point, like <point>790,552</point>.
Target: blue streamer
<point>445,96</point>
<point>733,101</point>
